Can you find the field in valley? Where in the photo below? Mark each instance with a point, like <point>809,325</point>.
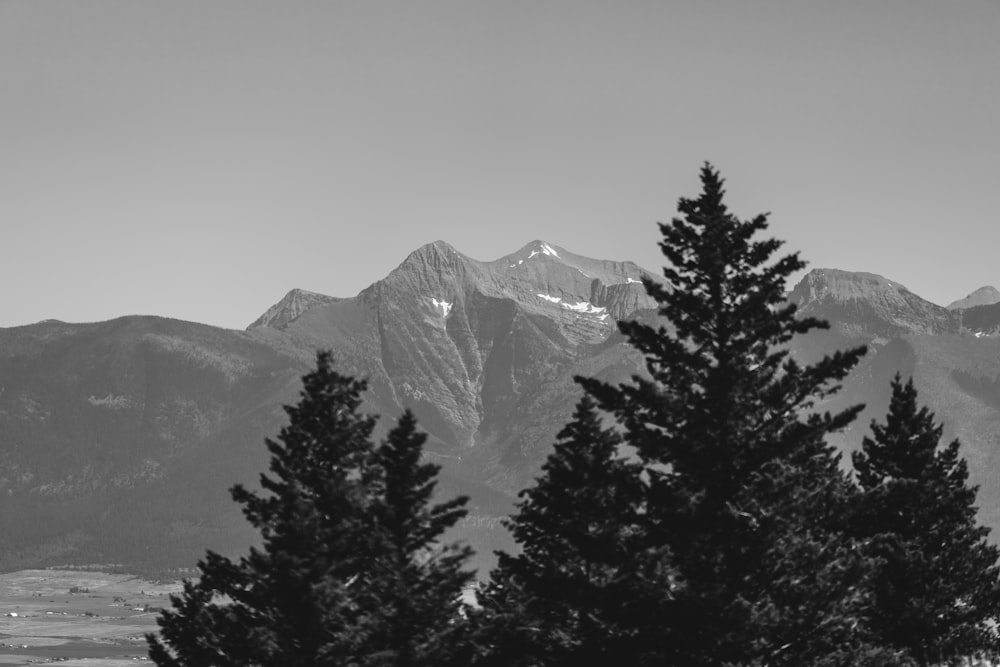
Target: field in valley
<point>77,618</point>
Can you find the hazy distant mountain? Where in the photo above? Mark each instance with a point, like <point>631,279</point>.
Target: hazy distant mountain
<point>984,296</point>
<point>119,439</point>
<point>953,356</point>
<point>865,305</point>
<point>290,307</point>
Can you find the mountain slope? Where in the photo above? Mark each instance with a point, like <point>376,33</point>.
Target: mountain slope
<point>290,307</point>
<point>984,296</point>
<point>120,439</point>
<point>864,305</point>
<point>97,420</point>
<point>982,320</point>
<point>474,347</point>
<point>953,359</point>
<point>128,433</point>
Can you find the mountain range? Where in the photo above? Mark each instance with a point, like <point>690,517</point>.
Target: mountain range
<point>119,439</point>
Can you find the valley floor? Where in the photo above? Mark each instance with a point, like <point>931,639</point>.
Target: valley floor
<point>77,618</point>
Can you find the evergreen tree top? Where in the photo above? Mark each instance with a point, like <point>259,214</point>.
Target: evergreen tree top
<point>905,447</point>
<point>937,592</point>
<point>743,490</point>
<point>722,288</point>
<point>324,446</point>
<point>351,569</point>
<point>408,488</point>
<point>722,366</point>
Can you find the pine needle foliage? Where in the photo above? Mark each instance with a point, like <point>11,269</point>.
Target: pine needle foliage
<point>937,592</point>
<point>415,584</point>
<point>348,571</point>
<point>744,493</point>
<point>571,597</point>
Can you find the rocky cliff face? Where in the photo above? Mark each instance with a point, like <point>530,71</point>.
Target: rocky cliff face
<point>982,320</point>
<point>483,352</point>
<point>866,305</point>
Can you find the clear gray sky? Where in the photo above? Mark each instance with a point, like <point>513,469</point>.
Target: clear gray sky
<point>197,159</point>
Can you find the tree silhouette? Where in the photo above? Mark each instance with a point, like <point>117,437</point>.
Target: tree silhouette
<point>337,541</point>
<point>571,597</point>
<point>938,589</point>
<point>415,585</point>
<point>744,493</point>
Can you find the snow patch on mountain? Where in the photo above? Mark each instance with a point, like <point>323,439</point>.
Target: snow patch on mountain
<point>579,307</point>
<point>543,249</point>
<point>443,305</point>
<point>584,307</point>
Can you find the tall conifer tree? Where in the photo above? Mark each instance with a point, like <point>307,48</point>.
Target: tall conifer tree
<point>415,584</point>
<point>938,590</point>
<point>744,492</point>
<point>571,596</point>
<point>345,573</point>
<point>289,602</point>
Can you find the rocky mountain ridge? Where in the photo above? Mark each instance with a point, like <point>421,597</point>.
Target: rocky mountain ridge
<point>291,306</point>
<point>984,296</point>
<point>120,438</point>
<point>855,302</point>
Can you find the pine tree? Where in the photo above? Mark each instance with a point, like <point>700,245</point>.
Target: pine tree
<point>288,603</point>
<point>416,585</point>
<point>938,590</point>
<point>570,597</point>
<point>744,492</point>
<point>336,542</point>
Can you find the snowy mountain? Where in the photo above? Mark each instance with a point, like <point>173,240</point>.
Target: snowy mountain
<point>482,351</point>
<point>121,438</point>
<point>129,432</point>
